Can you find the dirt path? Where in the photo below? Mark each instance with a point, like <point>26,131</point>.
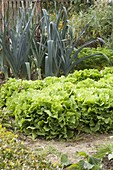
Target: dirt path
<point>53,148</point>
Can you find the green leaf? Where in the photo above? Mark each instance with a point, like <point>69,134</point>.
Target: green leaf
<point>64,160</point>
<point>31,127</point>
<point>94,160</point>
<point>103,151</point>
<point>88,165</point>
<point>16,53</point>
<point>82,153</point>
<point>28,70</point>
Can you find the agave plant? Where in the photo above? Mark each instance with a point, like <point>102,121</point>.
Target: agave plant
<point>16,42</point>
<point>57,51</point>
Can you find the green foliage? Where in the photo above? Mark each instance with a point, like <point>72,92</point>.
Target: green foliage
<point>104,151</point>
<point>61,107</point>
<point>100,26</point>
<point>101,160</point>
<point>6,119</point>
<point>57,52</point>
<point>98,62</point>
<point>13,85</point>
<point>16,43</point>
<point>71,5</point>
<point>88,163</point>
<point>15,155</point>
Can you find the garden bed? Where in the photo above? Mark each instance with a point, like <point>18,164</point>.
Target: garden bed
<point>61,110</point>
<point>19,151</point>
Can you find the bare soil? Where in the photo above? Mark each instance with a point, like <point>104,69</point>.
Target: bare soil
<point>85,142</point>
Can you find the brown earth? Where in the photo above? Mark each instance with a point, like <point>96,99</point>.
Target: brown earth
<point>85,142</point>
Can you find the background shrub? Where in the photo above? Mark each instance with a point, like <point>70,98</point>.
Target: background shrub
<point>97,62</point>
<point>100,26</point>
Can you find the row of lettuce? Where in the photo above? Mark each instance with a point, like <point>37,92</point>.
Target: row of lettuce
<point>59,107</point>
